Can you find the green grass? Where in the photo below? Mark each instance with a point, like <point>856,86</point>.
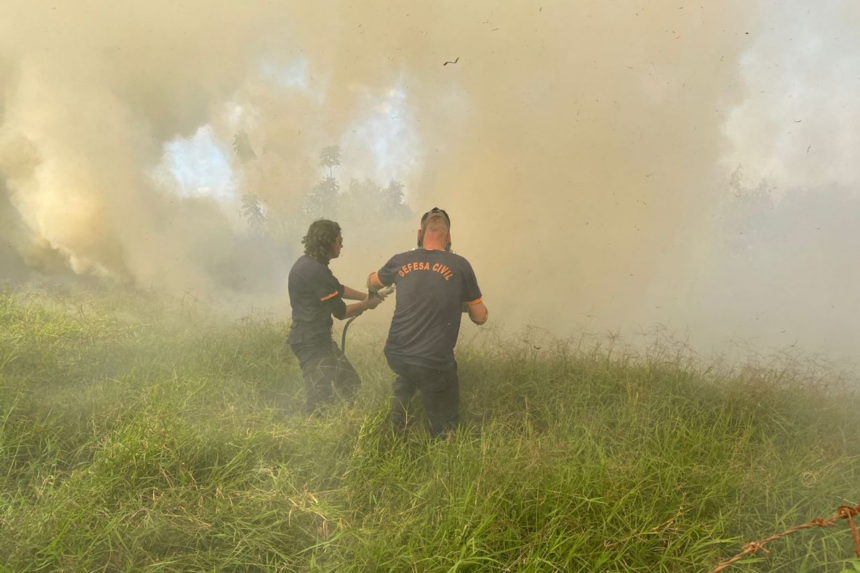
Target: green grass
<point>142,435</point>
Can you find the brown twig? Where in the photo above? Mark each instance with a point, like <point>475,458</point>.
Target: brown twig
<point>844,512</point>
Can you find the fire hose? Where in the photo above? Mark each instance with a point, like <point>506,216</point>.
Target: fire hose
<point>381,293</point>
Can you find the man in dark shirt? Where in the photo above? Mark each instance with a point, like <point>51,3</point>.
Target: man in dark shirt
<point>434,288</point>
<point>315,296</point>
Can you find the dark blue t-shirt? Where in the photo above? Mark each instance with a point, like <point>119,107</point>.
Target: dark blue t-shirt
<point>315,295</point>
<point>431,289</point>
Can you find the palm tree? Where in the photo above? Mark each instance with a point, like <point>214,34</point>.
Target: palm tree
<point>242,147</point>
<point>330,158</point>
<point>252,208</point>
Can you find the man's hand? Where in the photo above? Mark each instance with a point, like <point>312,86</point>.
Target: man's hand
<point>373,301</point>
<point>369,303</point>
<point>382,293</point>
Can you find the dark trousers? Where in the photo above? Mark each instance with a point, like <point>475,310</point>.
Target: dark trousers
<point>440,390</point>
<point>327,372</point>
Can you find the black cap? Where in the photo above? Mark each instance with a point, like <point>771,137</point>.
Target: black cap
<point>434,212</point>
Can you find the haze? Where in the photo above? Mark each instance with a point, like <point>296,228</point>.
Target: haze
<point>609,166</point>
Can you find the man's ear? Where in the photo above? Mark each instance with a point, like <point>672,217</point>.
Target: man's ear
<point>420,238</point>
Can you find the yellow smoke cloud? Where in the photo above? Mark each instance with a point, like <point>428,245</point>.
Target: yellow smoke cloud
<point>580,147</point>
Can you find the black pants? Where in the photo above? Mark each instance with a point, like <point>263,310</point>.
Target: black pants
<point>440,390</point>
<point>327,372</point>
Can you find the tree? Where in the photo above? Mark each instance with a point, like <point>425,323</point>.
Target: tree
<point>330,158</point>
<point>393,201</point>
<point>321,201</point>
<point>747,213</point>
<point>253,210</point>
<point>242,147</point>
<point>362,200</point>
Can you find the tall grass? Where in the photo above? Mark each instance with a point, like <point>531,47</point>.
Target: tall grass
<point>138,435</point>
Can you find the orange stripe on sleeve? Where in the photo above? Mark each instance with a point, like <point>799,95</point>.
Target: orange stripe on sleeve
<point>332,295</point>
<point>476,301</point>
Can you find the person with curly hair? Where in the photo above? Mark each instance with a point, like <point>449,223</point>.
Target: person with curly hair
<point>315,296</point>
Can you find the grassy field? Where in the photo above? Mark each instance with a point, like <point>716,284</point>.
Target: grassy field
<point>141,435</point>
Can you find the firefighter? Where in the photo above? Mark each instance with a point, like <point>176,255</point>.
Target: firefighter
<point>315,296</point>
<point>434,288</point>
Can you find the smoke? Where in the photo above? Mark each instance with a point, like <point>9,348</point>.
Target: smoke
<point>585,151</point>
<point>96,91</point>
<point>778,264</point>
<point>577,147</point>
<point>803,77</point>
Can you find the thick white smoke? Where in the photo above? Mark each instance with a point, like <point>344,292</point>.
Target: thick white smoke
<point>585,151</point>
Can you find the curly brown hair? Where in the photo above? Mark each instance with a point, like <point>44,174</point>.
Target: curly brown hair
<point>319,242</point>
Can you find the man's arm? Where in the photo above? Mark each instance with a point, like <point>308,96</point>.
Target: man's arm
<point>384,277</point>
<point>373,282</point>
<point>352,294</point>
<point>478,312</point>
<point>359,307</point>
<point>334,300</point>
<point>473,300</point>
